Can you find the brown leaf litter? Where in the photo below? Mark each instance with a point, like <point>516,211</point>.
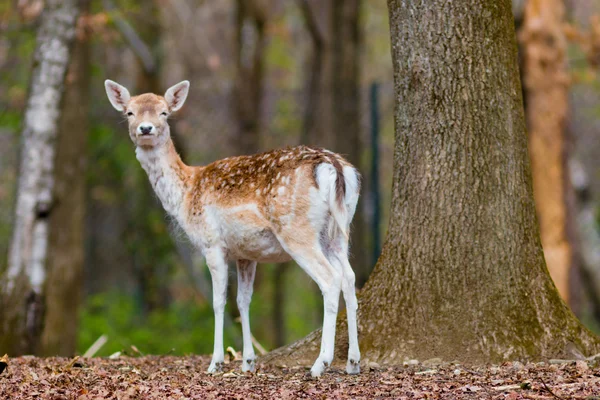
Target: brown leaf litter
<point>170,377</point>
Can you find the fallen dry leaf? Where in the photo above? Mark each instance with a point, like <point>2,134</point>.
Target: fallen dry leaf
<point>3,363</point>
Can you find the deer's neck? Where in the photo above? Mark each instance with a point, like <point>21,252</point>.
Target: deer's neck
<point>169,176</point>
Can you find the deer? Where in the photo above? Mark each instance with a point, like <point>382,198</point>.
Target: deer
<point>295,203</point>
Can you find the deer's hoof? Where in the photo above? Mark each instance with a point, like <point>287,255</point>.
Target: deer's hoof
<point>249,365</point>
<point>353,367</point>
<point>215,367</point>
<point>318,368</point>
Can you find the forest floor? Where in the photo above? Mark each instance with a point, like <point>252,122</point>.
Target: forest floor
<point>169,377</point>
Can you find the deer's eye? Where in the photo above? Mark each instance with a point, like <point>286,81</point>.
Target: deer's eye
<point>164,113</point>
<point>129,114</point>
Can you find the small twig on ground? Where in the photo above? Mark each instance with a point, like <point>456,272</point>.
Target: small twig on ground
<point>136,350</point>
<point>550,391</point>
<point>260,349</point>
<point>472,372</point>
<point>101,341</point>
<point>72,362</point>
<point>233,353</point>
<point>507,387</point>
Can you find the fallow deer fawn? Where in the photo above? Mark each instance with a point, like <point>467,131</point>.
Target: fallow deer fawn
<point>295,203</point>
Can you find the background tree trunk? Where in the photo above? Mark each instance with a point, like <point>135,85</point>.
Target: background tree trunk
<point>546,83</point>
<point>462,274</point>
<point>332,115</point>
<point>248,89</point>
<point>346,113</point>
<point>317,125</point>
<point>584,148</point>
<point>66,251</point>
<point>148,226</point>
<point>279,301</point>
<point>23,302</point>
<point>315,71</point>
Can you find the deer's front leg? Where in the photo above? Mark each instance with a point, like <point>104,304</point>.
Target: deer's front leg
<point>218,271</point>
<point>245,271</point>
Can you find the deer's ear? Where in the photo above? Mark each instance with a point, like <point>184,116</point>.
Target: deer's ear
<point>176,95</point>
<point>117,94</point>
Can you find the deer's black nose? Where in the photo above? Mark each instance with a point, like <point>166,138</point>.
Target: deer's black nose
<point>146,129</point>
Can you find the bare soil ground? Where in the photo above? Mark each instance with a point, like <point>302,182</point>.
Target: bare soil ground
<point>169,377</point>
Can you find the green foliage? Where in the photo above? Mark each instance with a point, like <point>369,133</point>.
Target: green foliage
<point>590,321</point>
<point>182,328</point>
<point>111,154</point>
<point>286,123</point>
<point>15,75</point>
<point>10,120</point>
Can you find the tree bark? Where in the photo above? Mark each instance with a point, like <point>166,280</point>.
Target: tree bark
<point>23,301</point>
<point>546,82</point>
<point>462,273</point>
<point>66,250</point>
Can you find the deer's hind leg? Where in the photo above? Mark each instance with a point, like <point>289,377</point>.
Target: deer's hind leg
<point>310,257</point>
<point>337,253</point>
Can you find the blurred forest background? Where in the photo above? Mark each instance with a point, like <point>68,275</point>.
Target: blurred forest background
<point>264,74</point>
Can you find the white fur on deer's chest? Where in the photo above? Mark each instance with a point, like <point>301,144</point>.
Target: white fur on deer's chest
<point>241,231</point>
<point>164,181</point>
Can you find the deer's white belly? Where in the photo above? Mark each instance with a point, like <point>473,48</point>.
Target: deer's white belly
<point>245,234</point>
<point>255,244</point>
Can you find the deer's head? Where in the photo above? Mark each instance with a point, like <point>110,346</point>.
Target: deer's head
<point>147,113</point>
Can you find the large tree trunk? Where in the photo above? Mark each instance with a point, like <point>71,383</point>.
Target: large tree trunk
<point>23,303</point>
<point>462,274</point>
<point>66,250</point>
<point>545,79</point>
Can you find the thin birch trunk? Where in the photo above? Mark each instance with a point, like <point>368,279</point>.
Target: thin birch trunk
<point>63,287</point>
<point>23,284</point>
